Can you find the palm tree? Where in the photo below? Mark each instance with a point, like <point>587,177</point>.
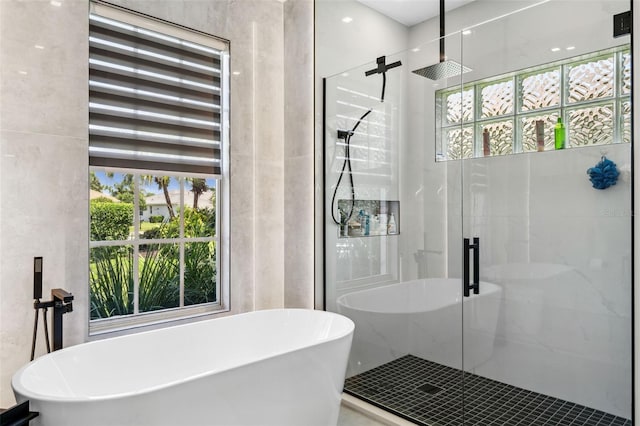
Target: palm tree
<point>95,183</point>
<point>163,183</point>
<point>198,187</point>
<point>124,190</point>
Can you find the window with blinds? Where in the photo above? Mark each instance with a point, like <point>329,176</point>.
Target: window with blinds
<point>158,123</point>
<point>155,94</point>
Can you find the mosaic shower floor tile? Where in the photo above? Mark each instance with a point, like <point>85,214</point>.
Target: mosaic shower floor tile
<point>431,394</point>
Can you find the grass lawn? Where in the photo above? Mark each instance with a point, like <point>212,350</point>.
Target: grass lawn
<point>145,226</point>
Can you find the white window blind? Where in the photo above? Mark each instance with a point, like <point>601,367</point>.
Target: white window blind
<point>155,94</point>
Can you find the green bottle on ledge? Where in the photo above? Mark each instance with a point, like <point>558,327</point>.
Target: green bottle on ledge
<point>560,134</point>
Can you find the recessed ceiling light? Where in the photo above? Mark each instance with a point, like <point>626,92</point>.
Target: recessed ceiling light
<point>347,19</point>
<point>55,3</point>
<point>39,46</point>
<point>415,49</point>
<point>22,72</point>
<point>236,73</point>
<point>571,47</point>
<point>466,32</point>
<point>555,49</point>
<point>345,74</point>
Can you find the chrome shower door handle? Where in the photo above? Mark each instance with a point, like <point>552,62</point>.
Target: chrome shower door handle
<point>467,286</point>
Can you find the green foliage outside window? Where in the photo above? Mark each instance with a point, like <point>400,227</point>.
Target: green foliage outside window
<point>156,218</point>
<point>111,268</point>
<point>110,221</point>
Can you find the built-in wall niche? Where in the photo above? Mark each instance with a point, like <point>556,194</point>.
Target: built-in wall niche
<point>518,111</point>
<point>368,218</point>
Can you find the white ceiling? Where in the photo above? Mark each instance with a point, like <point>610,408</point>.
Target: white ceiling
<point>411,12</point>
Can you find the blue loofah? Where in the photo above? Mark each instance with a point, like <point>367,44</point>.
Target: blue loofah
<point>604,174</point>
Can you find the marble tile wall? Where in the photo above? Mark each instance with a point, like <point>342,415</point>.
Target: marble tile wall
<point>43,170</point>
<point>44,155</point>
<point>298,155</point>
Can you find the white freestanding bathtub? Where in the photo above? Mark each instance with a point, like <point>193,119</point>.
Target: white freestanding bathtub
<point>424,318</point>
<point>273,367</point>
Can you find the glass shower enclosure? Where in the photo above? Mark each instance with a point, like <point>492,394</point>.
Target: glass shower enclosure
<point>487,270</point>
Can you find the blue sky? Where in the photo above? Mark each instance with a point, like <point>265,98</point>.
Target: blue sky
<point>149,188</point>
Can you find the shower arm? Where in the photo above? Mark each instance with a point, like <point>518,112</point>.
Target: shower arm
<point>444,68</point>
<point>442,32</point>
<point>382,68</point>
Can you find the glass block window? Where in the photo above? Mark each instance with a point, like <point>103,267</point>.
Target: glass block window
<point>592,93</point>
<point>540,90</point>
<point>626,73</point>
<point>459,106</point>
<point>528,126</point>
<point>496,99</point>
<point>591,79</point>
<point>461,145</point>
<point>500,132</point>
<point>626,121</point>
<point>591,125</point>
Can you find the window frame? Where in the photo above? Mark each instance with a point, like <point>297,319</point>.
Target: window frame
<point>221,238</point>
<point>118,323</point>
<point>563,108</point>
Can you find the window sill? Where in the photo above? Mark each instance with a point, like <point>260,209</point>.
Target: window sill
<point>440,158</point>
<point>121,325</point>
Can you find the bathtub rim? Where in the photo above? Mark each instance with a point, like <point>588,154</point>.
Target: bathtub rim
<point>495,289</point>
<point>29,394</point>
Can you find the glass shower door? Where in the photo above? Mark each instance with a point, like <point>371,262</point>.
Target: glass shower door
<point>392,248</point>
<point>487,270</point>
<point>547,331</point>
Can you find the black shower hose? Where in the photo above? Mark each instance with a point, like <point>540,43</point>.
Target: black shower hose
<point>347,161</point>
<point>347,164</point>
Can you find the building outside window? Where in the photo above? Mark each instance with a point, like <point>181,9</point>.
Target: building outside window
<point>158,132</point>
